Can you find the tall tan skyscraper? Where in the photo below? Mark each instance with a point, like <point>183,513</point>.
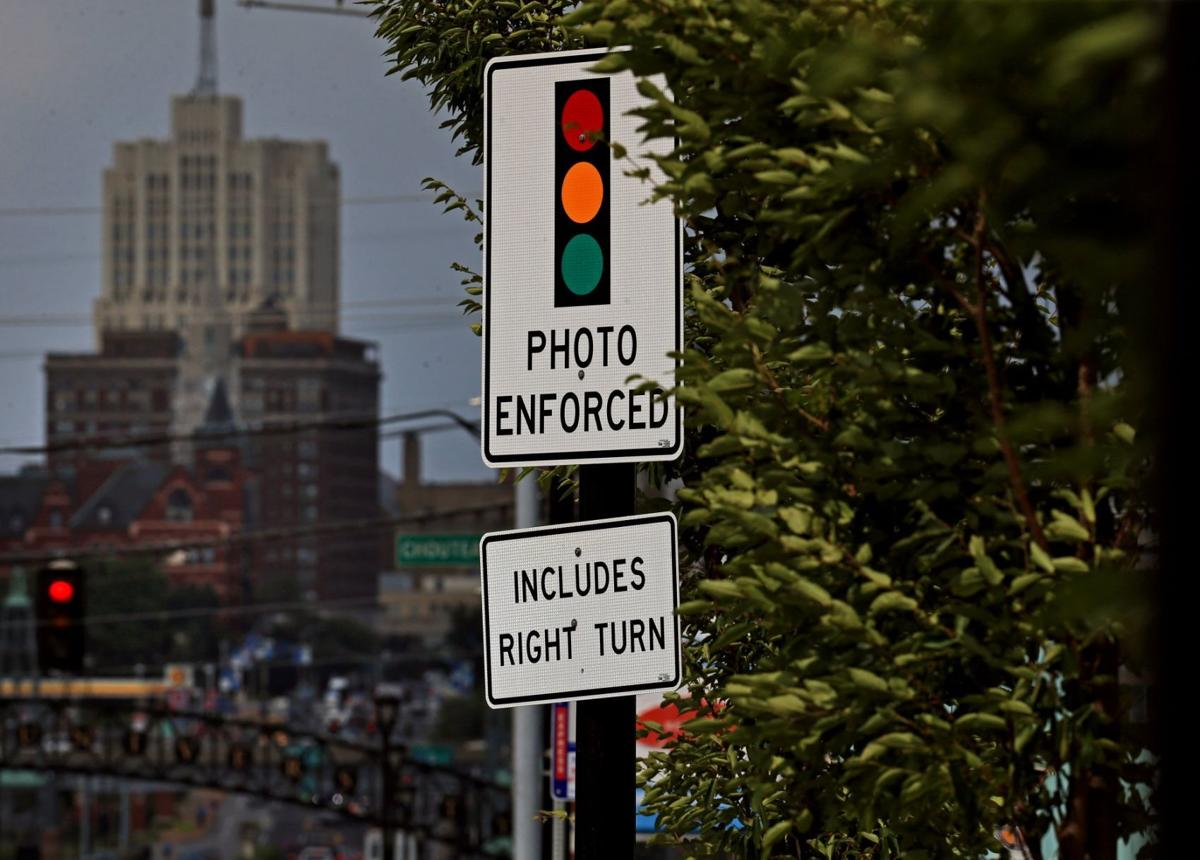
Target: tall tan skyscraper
<point>207,224</point>
<point>206,228</point>
<point>219,314</point>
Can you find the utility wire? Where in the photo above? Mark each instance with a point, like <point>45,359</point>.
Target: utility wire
<point>52,211</point>
<point>303,7</point>
<point>63,320</point>
<point>207,611</point>
<point>247,538</point>
<point>47,257</point>
<point>350,422</point>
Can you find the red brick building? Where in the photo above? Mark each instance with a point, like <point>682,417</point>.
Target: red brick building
<point>277,378</point>
<point>122,500</point>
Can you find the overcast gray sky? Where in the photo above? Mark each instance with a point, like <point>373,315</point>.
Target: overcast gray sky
<point>76,76</point>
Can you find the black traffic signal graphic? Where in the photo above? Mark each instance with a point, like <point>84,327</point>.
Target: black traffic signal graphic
<point>581,174</point>
<point>60,615</point>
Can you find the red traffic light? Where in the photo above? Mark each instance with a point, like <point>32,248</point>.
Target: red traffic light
<point>61,591</point>
<point>582,120</point>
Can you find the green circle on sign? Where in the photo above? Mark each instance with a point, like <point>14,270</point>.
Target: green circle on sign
<point>582,264</point>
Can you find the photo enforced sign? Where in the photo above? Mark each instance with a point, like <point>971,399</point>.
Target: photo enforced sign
<point>582,274</point>
<point>580,611</point>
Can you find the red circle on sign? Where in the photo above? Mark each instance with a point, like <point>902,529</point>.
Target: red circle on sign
<point>582,120</point>
<point>61,591</point>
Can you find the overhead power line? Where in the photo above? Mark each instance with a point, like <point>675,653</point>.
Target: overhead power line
<point>208,611</point>
<point>368,200</point>
<point>63,320</point>
<point>339,9</point>
<point>247,538</point>
<point>100,443</point>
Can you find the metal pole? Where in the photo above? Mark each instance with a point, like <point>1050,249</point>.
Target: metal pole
<point>123,833</point>
<point>560,509</point>
<point>389,839</point>
<point>558,832</point>
<point>85,817</point>
<point>526,725</point>
<point>605,734</point>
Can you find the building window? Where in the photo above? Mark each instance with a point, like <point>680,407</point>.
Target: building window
<point>179,506</point>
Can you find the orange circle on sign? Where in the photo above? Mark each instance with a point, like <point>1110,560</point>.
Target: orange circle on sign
<point>582,192</point>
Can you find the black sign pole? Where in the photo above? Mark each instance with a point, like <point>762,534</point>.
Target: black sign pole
<point>605,728</point>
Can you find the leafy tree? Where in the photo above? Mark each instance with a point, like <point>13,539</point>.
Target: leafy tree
<point>131,601</point>
<point>913,495</point>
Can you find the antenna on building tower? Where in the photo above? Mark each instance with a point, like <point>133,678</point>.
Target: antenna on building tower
<point>206,80</point>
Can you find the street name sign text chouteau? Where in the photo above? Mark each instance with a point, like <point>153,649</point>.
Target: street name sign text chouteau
<point>582,275</point>
<point>436,550</point>
<point>580,611</point>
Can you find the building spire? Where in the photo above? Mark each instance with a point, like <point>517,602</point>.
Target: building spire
<point>206,80</point>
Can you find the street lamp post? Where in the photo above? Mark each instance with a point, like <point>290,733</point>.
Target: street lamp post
<point>387,708</point>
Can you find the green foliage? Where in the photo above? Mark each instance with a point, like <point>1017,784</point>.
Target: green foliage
<point>913,490</point>
<point>125,599</point>
<point>445,45</point>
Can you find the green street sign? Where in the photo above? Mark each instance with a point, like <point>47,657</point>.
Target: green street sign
<point>432,753</point>
<point>426,550</point>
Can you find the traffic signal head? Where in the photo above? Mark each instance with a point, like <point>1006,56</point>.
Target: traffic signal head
<point>60,616</point>
<point>581,169</point>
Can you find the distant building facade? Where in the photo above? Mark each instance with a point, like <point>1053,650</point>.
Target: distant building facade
<point>220,277</point>
<point>278,379</point>
<point>125,390</point>
<point>421,593</point>
<point>320,475</point>
<point>208,217</point>
<point>124,500</point>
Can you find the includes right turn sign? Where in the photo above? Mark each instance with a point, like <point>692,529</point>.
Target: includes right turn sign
<point>582,273</point>
<point>580,611</point>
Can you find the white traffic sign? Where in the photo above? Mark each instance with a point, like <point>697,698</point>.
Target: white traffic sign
<point>580,611</point>
<point>582,275</point>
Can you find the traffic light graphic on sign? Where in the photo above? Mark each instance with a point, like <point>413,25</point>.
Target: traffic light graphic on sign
<point>60,615</point>
<point>581,173</point>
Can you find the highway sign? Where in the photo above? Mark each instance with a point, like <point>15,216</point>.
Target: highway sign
<point>582,275</point>
<point>580,611</point>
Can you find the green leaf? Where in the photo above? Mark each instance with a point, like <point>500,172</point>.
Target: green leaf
<point>1040,557</point>
<point>774,833</point>
<point>867,680</point>
<point>811,591</point>
<point>1070,564</point>
<point>1065,527</point>
<point>720,588</point>
<point>892,601</point>
<point>979,721</point>
<point>811,352</point>
<point>1124,432</point>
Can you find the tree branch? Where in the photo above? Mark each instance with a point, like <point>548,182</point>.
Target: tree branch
<point>995,400</point>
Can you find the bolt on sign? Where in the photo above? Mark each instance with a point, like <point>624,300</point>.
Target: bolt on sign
<point>582,274</point>
<point>580,611</point>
